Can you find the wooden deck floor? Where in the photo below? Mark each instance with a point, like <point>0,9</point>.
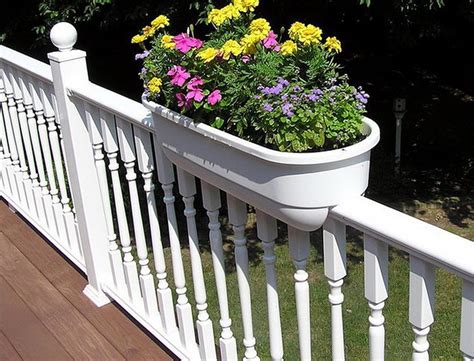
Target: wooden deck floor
<point>45,316</point>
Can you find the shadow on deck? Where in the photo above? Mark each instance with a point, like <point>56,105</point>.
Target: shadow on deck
<point>44,314</point>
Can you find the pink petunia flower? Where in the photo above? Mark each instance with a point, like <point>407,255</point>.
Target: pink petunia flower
<point>270,41</point>
<point>215,97</point>
<point>245,59</point>
<point>185,43</point>
<point>194,83</point>
<point>197,95</point>
<point>178,75</point>
<point>182,101</point>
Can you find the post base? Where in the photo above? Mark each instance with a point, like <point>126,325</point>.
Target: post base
<point>99,298</point>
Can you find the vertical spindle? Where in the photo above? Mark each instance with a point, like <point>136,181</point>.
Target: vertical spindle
<point>187,189</point>
<point>127,154</point>
<point>299,250</point>
<point>238,218</point>
<point>14,160</point>
<point>267,231</point>
<point>334,242</point>
<point>212,203</point>
<point>467,321</point>
<point>376,292</point>
<point>5,156</point>
<point>146,167</point>
<point>20,168</point>
<point>421,305</point>
<point>107,128</point>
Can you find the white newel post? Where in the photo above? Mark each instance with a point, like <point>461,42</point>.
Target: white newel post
<point>68,66</point>
<point>467,321</point>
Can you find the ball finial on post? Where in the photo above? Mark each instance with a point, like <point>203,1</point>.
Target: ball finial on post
<point>63,36</point>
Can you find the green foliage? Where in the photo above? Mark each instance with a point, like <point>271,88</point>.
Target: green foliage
<point>54,11</point>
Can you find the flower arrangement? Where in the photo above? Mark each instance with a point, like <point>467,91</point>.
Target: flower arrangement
<point>282,91</point>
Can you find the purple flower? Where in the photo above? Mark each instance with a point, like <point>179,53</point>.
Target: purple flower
<point>141,56</point>
<point>283,81</point>
<point>296,88</point>
<point>245,59</point>
<point>362,97</point>
<point>277,89</point>
<point>313,97</point>
<point>284,97</point>
<point>266,91</point>
<point>287,109</point>
<point>267,107</point>
<point>214,97</point>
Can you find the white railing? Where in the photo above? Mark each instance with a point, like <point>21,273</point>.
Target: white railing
<point>51,116</point>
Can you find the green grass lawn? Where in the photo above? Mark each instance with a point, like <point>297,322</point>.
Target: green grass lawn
<point>444,337</point>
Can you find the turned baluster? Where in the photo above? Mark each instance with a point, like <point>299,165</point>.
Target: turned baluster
<point>376,292</point>
<point>5,155</point>
<point>18,158</point>
<point>37,110</point>
<point>187,189</point>
<point>52,192</point>
<point>125,138</point>
<point>467,321</point>
<point>109,136</point>
<point>334,242</point>
<point>146,167</point>
<point>299,251</point>
<point>212,203</point>
<point>267,231</point>
<point>238,218</point>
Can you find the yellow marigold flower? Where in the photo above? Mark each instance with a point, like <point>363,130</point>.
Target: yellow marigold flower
<point>295,30</point>
<point>260,27</point>
<point>231,47</point>
<point>148,31</point>
<point>248,43</point>
<point>230,12</point>
<point>167,42</point>
<point>154,85</point>
<point>289,47</point>
<point>208,54</point>
<point>246,5</point>
<point>216,17</point>
<point>137,39</point>
<point>160,22</point>
<point>332,44</point>
<point>310,34</point>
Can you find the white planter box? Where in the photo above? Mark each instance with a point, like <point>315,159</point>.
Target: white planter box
<point>297,188</point>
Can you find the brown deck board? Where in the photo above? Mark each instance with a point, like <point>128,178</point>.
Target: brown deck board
<point>7,351</point>
<point>24,331</point>
<point>67,324</point>
<point>119,331</point>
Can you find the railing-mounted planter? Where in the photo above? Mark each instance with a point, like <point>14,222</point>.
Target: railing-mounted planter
<point>297,188</point>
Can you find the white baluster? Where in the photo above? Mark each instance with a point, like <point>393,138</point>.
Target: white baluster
<point>33,125</point>
<point>145,165</point>
<point>5,155</point>
<point>376,292</point>
<point>20,168</point>
<point>125,138</point>
<point>61,203</point>
<point>165,176</point>
<point>238,218</point>
<point>212,202</point>
<point>467,321</point>
<point>28,123</point>
<point>183,308</point>
<point>107,126</point>
<point>24,138</point>
<point>422,292</point>
<point>334,242</point>
<point>14,160</point>
<point>52,193</point>
<point>299,250</point>
<point>267,232</point>
<point>92,121</point>
<point>187,189</point>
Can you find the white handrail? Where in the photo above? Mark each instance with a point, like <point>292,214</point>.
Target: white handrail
<point>117,104</point>
<point>25,63</point>
<point>409,234</point>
